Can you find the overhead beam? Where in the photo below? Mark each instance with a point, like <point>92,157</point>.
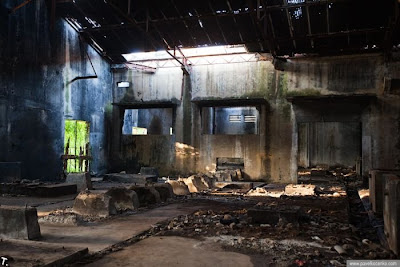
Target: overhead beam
<point>291,28</point>
<point>212,15</point>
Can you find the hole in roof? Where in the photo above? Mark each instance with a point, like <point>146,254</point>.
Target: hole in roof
<point>188,52</point>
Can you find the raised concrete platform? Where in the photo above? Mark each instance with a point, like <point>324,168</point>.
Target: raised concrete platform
<point>19,223</point>
<point>38,190</point>
<point>81,179</point>
<point>10,172</point>
<point>391,212</point>
<point>376,187</point>
<point>138,179</point>
<point>105,233</point>
<point>94,203</point>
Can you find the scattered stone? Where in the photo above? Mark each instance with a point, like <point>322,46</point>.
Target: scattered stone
<point>300,190</point>
<point>340,250</point>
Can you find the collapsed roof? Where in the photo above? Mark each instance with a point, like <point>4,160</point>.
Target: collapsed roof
<point>279,27</point>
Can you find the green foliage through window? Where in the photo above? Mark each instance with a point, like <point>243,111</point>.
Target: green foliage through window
<point>76,137</point>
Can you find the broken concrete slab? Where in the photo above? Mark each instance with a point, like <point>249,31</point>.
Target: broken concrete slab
<point>391,212</point>
<point>94,203</point>
<point>81,179</point>
<point>272,214</point>
<point>130,178</point>
<point>10,172</point>
<point>147,195</point>
<point>19,223</point>
<point>300,190</point>
<point>179,188</point>
<point>165,190</point>
<point>124,199</point>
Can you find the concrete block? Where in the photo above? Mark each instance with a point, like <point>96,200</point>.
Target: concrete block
<point>94,203</point>
<point>376,187</point>
<point>82,180</point>
<point>130,178</point>
<point>271,215</point>
<point>52,190</point>
<point>391,212</point>
<point>300,190</point>
<point>179,187</point>
<point>195,184</point>
<point>165,191</point>
<point>124,199</point>
<point>147,195</point>
<point>19,223</point>
<point>149,171</point>
<point>10,172</point>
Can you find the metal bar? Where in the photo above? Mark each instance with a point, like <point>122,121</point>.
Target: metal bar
<point>217,21</point>
<point>327,19</point>
<point>291,28</point>
<point>184,23</point>
<point>19,6</point>
<point>133,21</point>
<point>204,30</point>
<point>234,19</point>
<point>309,25</point>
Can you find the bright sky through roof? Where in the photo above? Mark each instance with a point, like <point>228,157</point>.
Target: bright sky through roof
<point>188,52</point>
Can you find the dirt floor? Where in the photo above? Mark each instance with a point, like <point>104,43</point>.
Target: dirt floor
<point>322,223</point>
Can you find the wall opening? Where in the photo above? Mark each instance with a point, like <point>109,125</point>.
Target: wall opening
<point>76,146</point>
<point>148,121</point>
<point>230,120</point>
<point>329,144</point>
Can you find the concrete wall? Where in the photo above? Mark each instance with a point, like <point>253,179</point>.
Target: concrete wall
<point>37,67</point>
<point>272,155</point>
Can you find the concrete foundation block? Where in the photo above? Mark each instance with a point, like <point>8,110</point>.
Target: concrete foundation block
<point>272,215</point>
<point>165,190</point>
<point>19,223</point>
<point>391,212</point>
<point>195,184</point>
<point>130,178</point>
<point>10,172</point>
<point>124,199</point>
<point>300,190</point>
<point>147,195</point>
<point>149,171</point>
<point>94,203</point>
<point>82,180</point>
<point>179,188</point>
<point>376,187</point>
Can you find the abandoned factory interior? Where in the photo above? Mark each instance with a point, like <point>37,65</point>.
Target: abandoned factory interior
<point>199,133</point>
